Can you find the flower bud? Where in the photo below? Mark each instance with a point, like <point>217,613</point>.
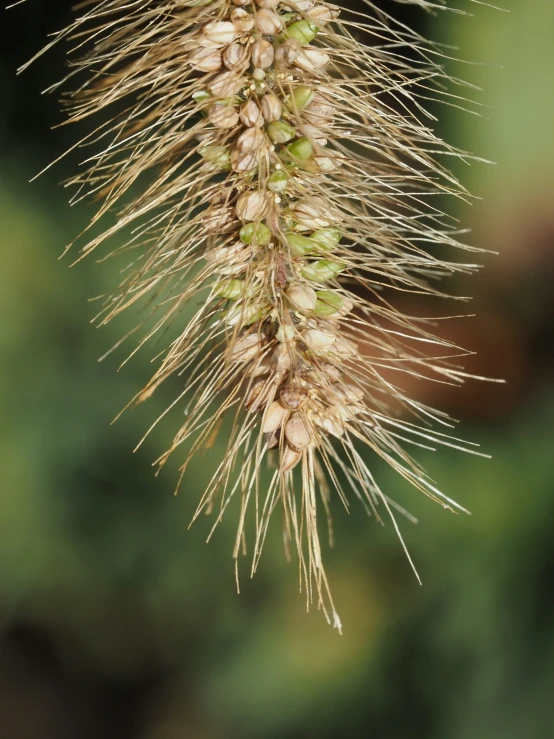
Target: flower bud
<point>230,289</point>
<point>271,107</point>
<point>251,206</point>
<point>223,115</point>
<point>299,245</point>
<point>242,20</point>
<point>302,298</point>
<point>235,56</point>
<point>267,3</point>
<point>255,233</point>
<point>301,149</point>
<point>328,303</point>
<point>326,238</point>
<point>303,31</point>
<point>277,181</point>
<point>206,59</point>
<point>293,396</point>
<point>317,339</point>
<point>245,348</point>
<point>323,270</point>
<point>289,458</point>
<point>217,33</point>
<point>300,98</point>
<point>268,22</point>
<point>273,417</point>
<point>226,85</point>
<point>262,53</point>
<point>297,433</point>
<point>250,114</point>
<point>312,59</point>
<point>314,212</point>
<point>280,132</point>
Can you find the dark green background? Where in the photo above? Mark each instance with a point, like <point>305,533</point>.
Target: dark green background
<point>118,622</point>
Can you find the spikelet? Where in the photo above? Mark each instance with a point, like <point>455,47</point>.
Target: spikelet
<point>270,164</point>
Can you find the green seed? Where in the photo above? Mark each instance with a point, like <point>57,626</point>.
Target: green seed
<point>303,31</point>
<point>219,156</point>
<point>327,238</point>
<point>323,270</point>
<point>299,245</point>
<point>277,181</point>
<point>201,96</point>
<point>230,289</point>
<point>300,98</point>
<point>301,149</point>
<point>255,233</point>
<point>328,303</point>
<point>280,132</point>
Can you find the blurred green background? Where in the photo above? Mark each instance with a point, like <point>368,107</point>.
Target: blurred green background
<point>118,622</point>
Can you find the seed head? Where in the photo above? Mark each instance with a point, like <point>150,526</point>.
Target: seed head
<point>289,194</point>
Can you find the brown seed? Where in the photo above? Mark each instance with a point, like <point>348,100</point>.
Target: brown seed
<point>251,206</point>
<point>273,417</point>
<point>332,372</point>
<point>251,115</point>
<point>225,85</point>
<point>323,13</point>
<point>245,348</point>
<point>293,396</point>
<point>271,107</point>
<point>206,60</point>
<point>297,433</point>
<point>281,359</point>
<point>243,162</point>
<point>289,458</point>
<point>223,116</point>
<point>311,60</point>
<point>258,396</point>
<point>242,20</point>
<point>268,22</point>
<point>236,56</point>
<point>349,392</point>
<point>217,33</point>
<point>262,53</point>
<point>287,53</point>
<point>251,140</point>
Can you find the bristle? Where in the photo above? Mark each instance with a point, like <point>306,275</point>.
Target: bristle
<point>271,163</point>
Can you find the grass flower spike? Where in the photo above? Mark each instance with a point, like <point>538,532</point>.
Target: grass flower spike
<point>271,171</point>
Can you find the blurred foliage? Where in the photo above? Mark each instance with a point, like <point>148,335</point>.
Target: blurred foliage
<point>118,621</point>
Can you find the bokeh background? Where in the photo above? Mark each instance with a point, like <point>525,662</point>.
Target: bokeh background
<point>116,622</point>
